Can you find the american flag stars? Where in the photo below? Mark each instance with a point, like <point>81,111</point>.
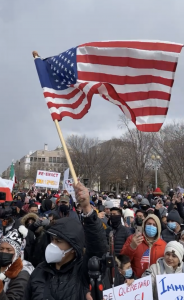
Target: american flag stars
<point>62,68</point>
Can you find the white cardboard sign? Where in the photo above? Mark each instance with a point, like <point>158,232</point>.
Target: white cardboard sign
<point>141,289</point>
<point>69,187</point>
<point>170,286</point>
<point>48,179</point>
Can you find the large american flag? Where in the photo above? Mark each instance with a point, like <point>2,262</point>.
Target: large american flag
<point>137,76</point>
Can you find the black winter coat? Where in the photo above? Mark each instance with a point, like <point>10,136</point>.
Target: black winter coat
<point>120,236</point>
<point>169,235</point>
<point>71,281</point>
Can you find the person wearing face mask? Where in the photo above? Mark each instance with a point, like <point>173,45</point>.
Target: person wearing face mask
<point>171,263</point>
<point>144,249</point>
<point>144,204</point>
<point>121,232</point>
<point>125,273</point>
<point>14,273</point>
<point>173,228</point>
<point>64,274</point>
<point>64,208</point>
<point>108,204</point>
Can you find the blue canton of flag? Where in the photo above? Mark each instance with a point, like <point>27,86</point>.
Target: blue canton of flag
<point>62,69</point>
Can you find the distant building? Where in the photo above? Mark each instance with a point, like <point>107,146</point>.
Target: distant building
<point>27,166</point>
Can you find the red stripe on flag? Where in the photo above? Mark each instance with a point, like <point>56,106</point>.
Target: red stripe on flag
<point>141,45</point>
<point>59,116</point>
<point>149,127</point>
<point>135,96</point>
<point>146,111</point>
<point>73,105</point>
<point>68,96</point>
<point>122,80</point>
<point>128,62</point>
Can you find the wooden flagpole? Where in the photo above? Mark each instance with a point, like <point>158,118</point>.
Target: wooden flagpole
<point>69,161</point>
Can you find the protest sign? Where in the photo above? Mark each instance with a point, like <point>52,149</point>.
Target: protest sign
<point>141,289</point>
<point>47,179</point>
<point>170,286</point>
<point>69,187</point>
<point>66,176</point>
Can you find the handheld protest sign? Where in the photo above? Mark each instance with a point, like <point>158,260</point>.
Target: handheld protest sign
<point>140,289</point>
<point>170,286</point>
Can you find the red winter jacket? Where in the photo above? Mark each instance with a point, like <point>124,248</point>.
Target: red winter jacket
<point>156,251</point>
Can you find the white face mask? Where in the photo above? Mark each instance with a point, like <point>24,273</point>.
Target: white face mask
<point>54,254</point>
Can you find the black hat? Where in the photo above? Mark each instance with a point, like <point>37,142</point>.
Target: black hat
<point>174,216</point>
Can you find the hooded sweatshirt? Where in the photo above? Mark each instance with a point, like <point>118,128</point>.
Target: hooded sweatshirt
<point>70,282</point>
<point>147,252</point>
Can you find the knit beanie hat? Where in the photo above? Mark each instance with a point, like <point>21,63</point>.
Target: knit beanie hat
<point>177,248</point>
<point>15,238</point>
<point>108,204</point>
<point>128,213</point>
<point>174,216</point>
<point>144,201</point>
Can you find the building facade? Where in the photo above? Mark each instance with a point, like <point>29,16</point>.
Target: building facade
<point>47,160</point>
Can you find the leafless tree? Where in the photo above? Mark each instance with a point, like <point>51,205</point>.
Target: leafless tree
<point>169,145</point>
<point>90,157</point>
<point>138,147</point>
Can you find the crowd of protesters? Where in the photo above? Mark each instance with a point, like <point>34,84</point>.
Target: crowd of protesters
<point>47,240</point>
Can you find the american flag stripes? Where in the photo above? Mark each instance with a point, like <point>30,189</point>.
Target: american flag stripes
<point>137,76</point>
<point>145,257</point>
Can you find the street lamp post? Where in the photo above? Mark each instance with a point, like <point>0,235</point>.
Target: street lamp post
<point>156,165</point>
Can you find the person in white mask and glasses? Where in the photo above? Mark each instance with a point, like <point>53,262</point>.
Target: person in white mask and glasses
<point>64,274</point>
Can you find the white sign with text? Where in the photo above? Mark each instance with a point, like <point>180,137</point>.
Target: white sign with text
<point>140,289</point>
<point>170,286</point>
<point>48,179</point>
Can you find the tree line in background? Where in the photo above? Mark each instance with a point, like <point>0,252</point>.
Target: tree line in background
<point>125,163</point>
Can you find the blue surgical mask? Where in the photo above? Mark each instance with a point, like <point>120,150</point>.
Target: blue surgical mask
<point>171,225</point>
<point>151,230</point>
<point>128,273</point>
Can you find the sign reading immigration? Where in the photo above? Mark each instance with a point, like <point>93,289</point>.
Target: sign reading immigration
<point>170,286</point>
<point>140,289</point>
<point>47,179</point>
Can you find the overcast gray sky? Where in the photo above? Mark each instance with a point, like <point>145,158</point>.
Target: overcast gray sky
<point>51,27</point>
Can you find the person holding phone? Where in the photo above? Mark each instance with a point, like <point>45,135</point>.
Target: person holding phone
<point>129,219</point>
<point>144,249</point>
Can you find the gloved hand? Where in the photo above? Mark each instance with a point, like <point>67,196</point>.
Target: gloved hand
<point>45,222</point>
<point>38,223</point>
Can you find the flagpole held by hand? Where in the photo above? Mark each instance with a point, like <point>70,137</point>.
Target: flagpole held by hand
<point>69,161</point>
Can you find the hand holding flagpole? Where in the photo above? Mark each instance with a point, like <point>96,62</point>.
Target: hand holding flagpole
<point>69,161</point>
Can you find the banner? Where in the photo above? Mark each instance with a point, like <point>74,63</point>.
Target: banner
<point>48,179</point>
<point>8,183</point>
<point>170,286</point>
<point>141,289</point>
<point>69,187</point>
